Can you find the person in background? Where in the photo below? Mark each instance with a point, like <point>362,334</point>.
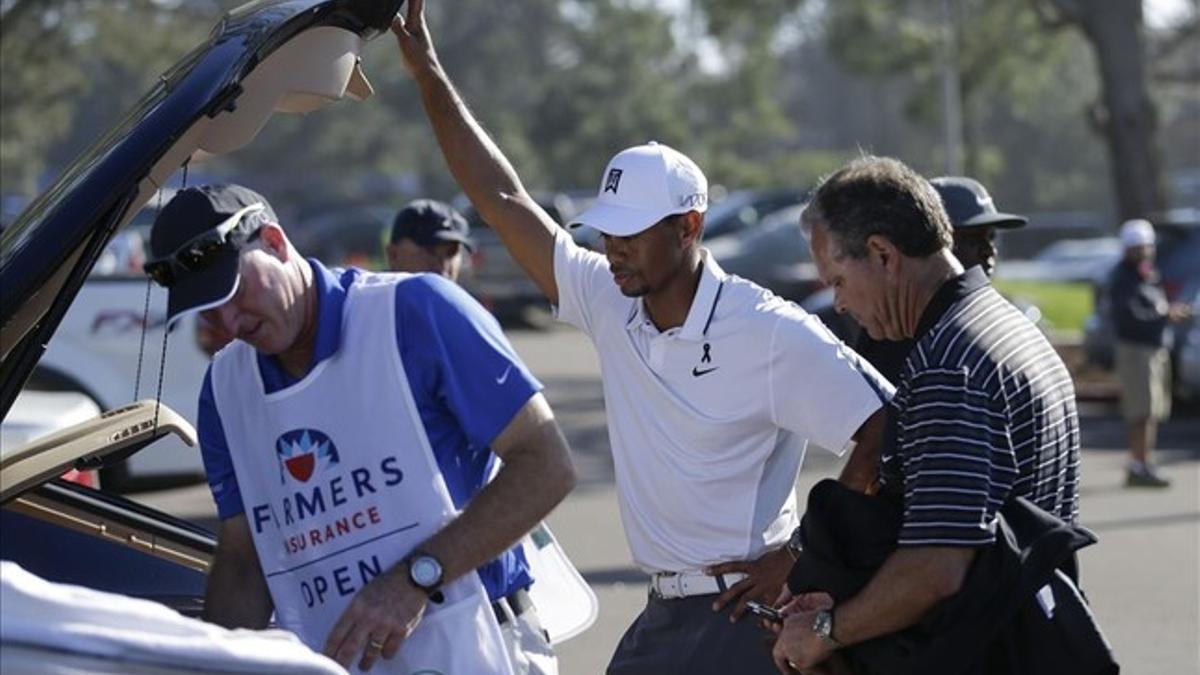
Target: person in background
<point>974,219</point>
<point>1142,317</point>
<point>429,236</point>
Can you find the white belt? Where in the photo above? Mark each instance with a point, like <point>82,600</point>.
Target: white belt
<point>669,585</point>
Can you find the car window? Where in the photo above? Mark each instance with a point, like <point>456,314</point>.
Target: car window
<point>344,236</point>
<point>129,249</point>
<point>1179,259</point>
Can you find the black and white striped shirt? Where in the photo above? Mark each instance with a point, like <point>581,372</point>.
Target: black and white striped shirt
<point>984,410</point>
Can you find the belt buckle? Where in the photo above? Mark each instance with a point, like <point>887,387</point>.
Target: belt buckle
<point>657,585</point>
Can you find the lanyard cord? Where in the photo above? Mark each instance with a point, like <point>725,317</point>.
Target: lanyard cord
<point>713,309</point>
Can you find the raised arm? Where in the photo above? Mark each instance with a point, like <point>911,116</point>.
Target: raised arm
<point>478,165</point>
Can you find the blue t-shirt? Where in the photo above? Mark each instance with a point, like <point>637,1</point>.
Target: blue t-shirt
<point>463,408</point>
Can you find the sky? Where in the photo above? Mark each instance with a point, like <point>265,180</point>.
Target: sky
<point>1163,13</point>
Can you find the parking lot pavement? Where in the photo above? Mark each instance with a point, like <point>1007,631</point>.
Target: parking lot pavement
<point>1143,578</point>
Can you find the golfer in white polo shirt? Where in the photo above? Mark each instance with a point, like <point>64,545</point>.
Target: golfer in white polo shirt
<point>712,384</point>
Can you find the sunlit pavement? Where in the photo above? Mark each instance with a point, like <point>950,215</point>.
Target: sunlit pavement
<point>1143,578</point>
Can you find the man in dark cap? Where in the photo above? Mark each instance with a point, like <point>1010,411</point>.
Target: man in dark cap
<point>348,452</point>
<point>974,219</point>
<point>429,236</point>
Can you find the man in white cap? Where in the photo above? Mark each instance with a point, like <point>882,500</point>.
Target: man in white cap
<point>712,385</point>
<point>1142,317</point>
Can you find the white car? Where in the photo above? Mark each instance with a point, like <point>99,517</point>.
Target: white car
<point>97,353</point>
<point>37,414</point>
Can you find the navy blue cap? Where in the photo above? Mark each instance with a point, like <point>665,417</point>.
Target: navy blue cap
<point>428,222</point>
<point>192,212</point>
<point>969,205</point>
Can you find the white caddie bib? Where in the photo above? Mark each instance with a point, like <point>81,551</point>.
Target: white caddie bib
<point>339,483</point>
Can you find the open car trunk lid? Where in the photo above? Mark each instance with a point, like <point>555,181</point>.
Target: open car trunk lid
<point>264,57</point>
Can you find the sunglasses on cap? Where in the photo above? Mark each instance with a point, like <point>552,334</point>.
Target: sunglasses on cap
<point>198,252</point>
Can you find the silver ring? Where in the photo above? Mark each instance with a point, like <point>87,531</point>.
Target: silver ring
<point>374,645</point>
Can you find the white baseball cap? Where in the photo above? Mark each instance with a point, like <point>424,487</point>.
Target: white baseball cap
<point>1137,232</point>
<point>641,186</point>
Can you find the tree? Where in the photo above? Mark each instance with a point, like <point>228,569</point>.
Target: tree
<point>1005,49</point>
<point>1125,114</point>
<point>52,101</point>
<point>35,99</point>
<point>1000,58</point>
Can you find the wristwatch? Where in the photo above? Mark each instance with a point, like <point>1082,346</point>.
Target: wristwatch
<point>425,571</point>
<point>823,627</point>
<point>794,547</point>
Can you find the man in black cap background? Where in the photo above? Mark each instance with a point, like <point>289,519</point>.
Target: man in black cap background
<point>348,452</point>
<point>974,219</point>
<point>429,236</point>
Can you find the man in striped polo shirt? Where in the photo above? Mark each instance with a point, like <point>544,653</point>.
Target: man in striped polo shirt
<point>984,410</point>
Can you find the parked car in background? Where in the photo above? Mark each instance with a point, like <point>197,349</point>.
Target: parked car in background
<point>36,414</point>
<point>495,279</point>
<point>1067,261</point>
<point>1187,354</point>
<point>110,336</point>
<point>267,56</point>
<point>346,235</point>
<point>743,210</point>
<point>772,254</point>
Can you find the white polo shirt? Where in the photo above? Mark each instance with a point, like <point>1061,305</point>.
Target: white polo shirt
<point>708,421</point>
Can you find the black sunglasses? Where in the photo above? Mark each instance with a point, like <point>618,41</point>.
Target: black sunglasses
<point>198,252</point>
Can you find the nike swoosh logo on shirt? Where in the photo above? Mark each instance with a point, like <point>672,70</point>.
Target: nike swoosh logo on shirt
<point>503,378</point>
<point>696,372</point>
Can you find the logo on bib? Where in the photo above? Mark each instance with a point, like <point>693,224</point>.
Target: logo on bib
<point>302,451</point>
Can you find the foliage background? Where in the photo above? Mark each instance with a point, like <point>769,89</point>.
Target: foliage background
<point>763,93</point>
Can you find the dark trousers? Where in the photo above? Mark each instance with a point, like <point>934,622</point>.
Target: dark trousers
<point>685,636</point>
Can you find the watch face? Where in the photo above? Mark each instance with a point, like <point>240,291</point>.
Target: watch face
<point>425,571</point>
<point>823,624</point>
